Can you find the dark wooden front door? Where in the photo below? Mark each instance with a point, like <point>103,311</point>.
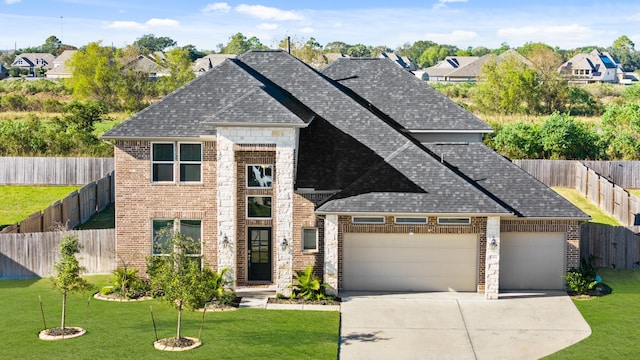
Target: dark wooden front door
<point>260,254</point>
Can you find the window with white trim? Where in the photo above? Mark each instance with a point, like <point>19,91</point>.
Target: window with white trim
<point>162,162</point>
<point>162,233</point>
<point>454,221</point>
<point>259,176</point>
<point>190,161</point>
<point>310,239</point>
<point>367,219</point>
<point>259,207</point>
<point>413,220</point>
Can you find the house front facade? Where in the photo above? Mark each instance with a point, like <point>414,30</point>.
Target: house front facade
<point>361,170</point>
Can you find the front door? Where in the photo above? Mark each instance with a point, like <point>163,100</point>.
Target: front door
<point>259,254</point>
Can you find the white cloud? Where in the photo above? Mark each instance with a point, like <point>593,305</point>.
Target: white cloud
<point>443,3</point>
<point>634,17</point>
<point>217,7</point>
<point>307,30</point>
<point>268,13</point>
<point>574,30</point>
<point>453,37</point>
<point>152,23</point>
<point>267,26</point>
<point>9,2</point>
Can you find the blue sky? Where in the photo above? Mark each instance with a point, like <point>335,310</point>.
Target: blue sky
<point>567,24</point>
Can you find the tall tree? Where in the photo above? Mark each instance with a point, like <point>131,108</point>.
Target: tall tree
<point>179,63</point>
<point>51,45</point>
<point>552,87</point>
<point>238,44</point>
<point>94,74</point>
<point>624,50</point>
<point>67,278</point>
<point>149,43</point>
<point>336,47</point>
<point>507,86</point>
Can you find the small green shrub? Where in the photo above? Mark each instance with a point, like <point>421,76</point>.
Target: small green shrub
<point>307,285</point>
<point>127,283</point>
<point>106,290</point>
<point>579,282</point>
<point>582,279</point>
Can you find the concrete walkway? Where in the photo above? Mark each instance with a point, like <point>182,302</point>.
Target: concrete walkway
<point>448,325</point>
<point>255,297</point>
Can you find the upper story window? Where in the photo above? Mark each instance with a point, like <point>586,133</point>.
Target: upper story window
<point>190,162</point>
<point>259,176</point>
<point>162,161</point>
<point>259,207</point>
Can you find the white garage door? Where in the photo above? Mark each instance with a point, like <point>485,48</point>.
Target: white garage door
<point>532,261</point>
<point>401,262</point>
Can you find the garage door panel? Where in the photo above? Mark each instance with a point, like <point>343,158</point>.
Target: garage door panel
<point>400,262</point>
<point>532,261</point>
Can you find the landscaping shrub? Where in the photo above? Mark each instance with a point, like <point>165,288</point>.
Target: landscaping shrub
<point>128,284</point>
<point>307,285</point>
<point>582,279</point>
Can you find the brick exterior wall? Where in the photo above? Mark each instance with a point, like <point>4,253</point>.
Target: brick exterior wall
<point>138,201</point>
<point>248,155</point>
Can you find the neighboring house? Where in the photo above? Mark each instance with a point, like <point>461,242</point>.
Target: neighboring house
<point>206,63</point>
<point>32,61</point>
<point>361,170</point>
<point>463,68</point>
<point>403,61</point>
<point>147,65</point>
<point>596,66</point>
<point>59,70</point>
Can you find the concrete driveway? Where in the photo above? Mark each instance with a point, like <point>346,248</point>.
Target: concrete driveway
<point>448,325</point>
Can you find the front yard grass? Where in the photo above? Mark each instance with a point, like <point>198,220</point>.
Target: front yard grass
<point>125,330</point>
<point>18,202</point>
<point>613,319</point>
<point>598,216</point>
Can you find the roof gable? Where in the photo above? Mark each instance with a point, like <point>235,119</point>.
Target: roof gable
<point>406,99</point>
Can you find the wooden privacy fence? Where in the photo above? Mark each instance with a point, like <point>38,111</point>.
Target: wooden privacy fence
<point>611,246</point>
<point>53,170</point>
<point>554,173</point>
<point>33,255</point>
<point>623,173</point>
<point>611,198</point>
<point>73,210</point>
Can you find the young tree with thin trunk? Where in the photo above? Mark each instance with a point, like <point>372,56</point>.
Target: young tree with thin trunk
<point>68,269</point>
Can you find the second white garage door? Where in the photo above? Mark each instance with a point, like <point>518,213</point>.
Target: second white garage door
<point>532,261</point>
<point>401,262</point>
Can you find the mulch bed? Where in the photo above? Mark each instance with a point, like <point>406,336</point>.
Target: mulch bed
<point>63,332</point>
<point>117,297</point>
<point>216,306</point>
<point>334,301</point>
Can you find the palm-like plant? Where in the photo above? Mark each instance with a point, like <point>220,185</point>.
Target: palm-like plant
<point>307,285</point>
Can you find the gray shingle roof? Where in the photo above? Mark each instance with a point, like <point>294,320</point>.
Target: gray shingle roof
<point>403,97</point>
<point>191,110</point>
<point>525,194</point>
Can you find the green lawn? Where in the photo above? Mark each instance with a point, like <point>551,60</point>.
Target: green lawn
<point>125,330</point>
<point>598,216</point>
<point>105,219</point>
<point>614,320</point>
<point>18,202</point>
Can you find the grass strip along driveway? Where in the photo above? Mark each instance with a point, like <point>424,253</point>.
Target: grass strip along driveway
<point>613,319</point>
<point>124,330</point>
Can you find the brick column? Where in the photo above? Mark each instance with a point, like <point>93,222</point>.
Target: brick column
<point>331,253</point>
<point>492,262</point>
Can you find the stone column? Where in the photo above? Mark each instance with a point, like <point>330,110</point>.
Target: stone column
<point>284,217</point>
<point>331,253</point>
<point>226,206</point>
<point>492,263</point>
